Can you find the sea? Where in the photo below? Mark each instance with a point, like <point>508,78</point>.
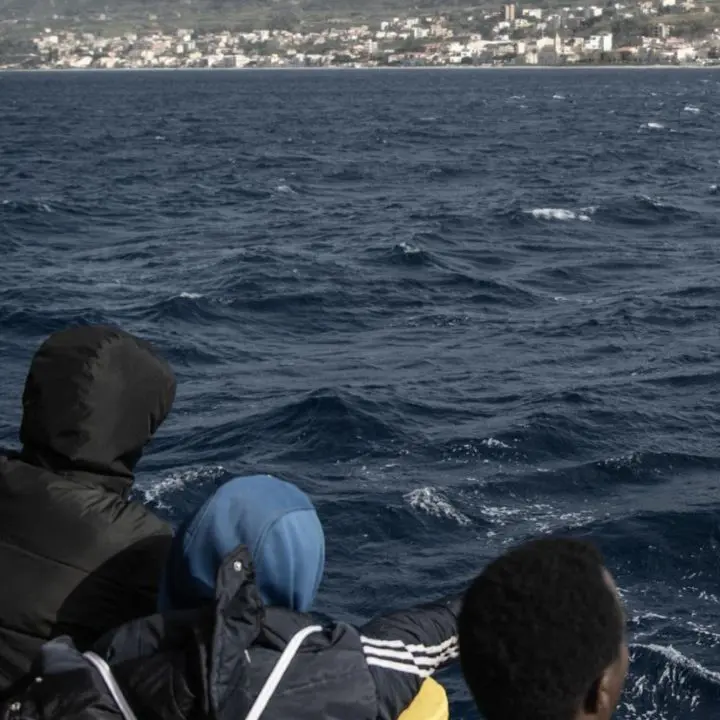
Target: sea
<point>460,308</point>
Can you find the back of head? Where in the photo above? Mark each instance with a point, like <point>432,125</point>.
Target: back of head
<point>538,629</point>
<point>93,398</point>
<point>278,524</point>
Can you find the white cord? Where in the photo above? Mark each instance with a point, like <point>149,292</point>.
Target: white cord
<point>279,670</point>
<point>104,669</point>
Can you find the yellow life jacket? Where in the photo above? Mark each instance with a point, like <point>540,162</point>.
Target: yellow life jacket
<point>431,703</point>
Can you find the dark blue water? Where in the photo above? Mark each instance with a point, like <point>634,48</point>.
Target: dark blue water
<point>459,308</point>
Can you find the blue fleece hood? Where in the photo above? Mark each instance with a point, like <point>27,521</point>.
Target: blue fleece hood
<point>274,519</point>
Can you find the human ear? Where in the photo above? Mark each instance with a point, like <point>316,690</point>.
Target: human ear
<point>592,699</point>
<point>602,697</point>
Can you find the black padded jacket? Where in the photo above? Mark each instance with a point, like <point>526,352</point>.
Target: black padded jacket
<point>77,558</point>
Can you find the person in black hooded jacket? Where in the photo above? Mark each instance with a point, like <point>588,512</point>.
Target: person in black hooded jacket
<point>77,558</point>
<point>240,578</point>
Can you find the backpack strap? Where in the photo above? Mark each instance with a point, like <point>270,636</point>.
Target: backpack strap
<point>109,679</point>
<point>279,670</point>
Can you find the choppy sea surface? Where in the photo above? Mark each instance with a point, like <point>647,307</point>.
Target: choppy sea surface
<point>458,308</point>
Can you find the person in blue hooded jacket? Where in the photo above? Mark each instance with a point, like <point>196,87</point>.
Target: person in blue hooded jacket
<point>234,638</point>
<point>277,523</point>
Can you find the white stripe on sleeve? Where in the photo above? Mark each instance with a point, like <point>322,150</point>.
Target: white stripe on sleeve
<point>416,659</point>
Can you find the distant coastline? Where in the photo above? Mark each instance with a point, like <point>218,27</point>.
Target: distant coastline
<point>374,68</point>
<point>644,34</point>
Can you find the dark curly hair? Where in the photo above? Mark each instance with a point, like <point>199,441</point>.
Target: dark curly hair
<point>537,629</point>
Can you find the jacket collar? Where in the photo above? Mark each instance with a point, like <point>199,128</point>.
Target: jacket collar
<point>239,615</point>
<point>235,577</point>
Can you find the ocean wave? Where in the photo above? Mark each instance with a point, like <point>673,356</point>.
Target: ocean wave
<point>432,502</point>
<point>619,474</point>
<point>645,210</point>
<point>20,207</point>
<point>39,323</point>
<point>472,449</point>
<point>301,302</point>
<point>553,435</point>
<point>404,253</point>
<point>664,684</point>
<point>186,307</point>
<point>455,333</point>
<point>481,290</point>
<point>650,551</point>
<point>558,214</point>
<point>180,488</point>
<point>327,424</point>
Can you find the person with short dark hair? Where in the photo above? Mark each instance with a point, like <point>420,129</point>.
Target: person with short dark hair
<point>542,634</point>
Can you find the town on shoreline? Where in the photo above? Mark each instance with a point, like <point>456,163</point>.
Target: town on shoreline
<point>648,33</point>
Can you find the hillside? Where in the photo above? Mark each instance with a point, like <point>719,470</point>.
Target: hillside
<point>279,13</point>
<point>167,8</point>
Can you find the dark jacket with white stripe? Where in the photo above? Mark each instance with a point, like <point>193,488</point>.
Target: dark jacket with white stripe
<point>214,662</point>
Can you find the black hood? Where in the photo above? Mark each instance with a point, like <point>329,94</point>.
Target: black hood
<point>93,398</point>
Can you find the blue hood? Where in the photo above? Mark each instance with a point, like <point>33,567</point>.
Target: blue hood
<point>274,519</point>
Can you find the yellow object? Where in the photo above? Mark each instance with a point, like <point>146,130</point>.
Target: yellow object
<point>430,703</point>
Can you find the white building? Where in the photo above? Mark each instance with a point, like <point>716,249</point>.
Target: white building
<point>601,43</point>
<point>685,53</point>
<point>83,62</point>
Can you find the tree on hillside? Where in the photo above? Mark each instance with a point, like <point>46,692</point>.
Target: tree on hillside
<point>629,30</point>
<point>285,19</point>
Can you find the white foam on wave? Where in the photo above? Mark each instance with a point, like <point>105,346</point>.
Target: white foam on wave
<point>677,659</point>
<point>562,214</point>
<point>432,502</point>
<point>532,518</point>
<point>671,683</point>
<point>648,616</point>
<point>474,449</point>
<point>177,480</point>
<point>492,442</point>
<point>654,126</point>
<point>39,204</point>
<point>190,295</point>
<point>710,597</point>
<point>691,109</point>
<point>548,519</point>
<point>557,96</point>
<point>704,632</point>
<point>498,514</point>
<point>409,249</point>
